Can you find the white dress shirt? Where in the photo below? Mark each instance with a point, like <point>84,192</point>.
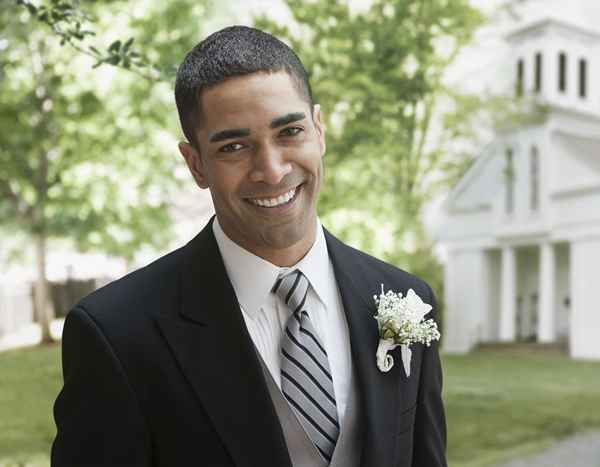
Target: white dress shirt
<point>266,315</point>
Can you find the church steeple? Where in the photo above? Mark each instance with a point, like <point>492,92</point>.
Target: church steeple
<point>553,60</point>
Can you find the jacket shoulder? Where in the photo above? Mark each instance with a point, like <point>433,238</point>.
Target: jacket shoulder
<point>141,290</point>
<point>368,268</point>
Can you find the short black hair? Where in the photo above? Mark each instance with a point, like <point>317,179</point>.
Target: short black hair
<point>232,51</point>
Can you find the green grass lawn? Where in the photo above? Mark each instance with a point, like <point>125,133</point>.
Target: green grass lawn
<point>29,382</point>
<point>501,405</point>
<point>498,405</point>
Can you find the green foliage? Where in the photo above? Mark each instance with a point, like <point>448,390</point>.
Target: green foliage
<point>166,29</point>
<point>66,20</point>
<point>510,113</point>
<point>377,74</point>
<point>82,150</point>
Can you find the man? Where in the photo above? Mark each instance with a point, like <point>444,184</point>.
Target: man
<point>254,344</point>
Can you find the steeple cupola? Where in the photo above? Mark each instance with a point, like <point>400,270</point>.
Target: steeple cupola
<point>557,62</point>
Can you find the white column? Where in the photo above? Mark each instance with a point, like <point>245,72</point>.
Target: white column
<point>546,314</point>
<point>585,311</point>
<point>453,335</point>
<point>465,305</point>
<point>508,294</point>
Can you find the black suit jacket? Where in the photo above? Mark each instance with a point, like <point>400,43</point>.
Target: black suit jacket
<point>159,370</point>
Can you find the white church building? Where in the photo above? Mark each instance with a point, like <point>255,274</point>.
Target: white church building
<point>521,230</point>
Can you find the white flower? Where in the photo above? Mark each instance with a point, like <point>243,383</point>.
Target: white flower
<point>415,308</point>
<point>401,322</point>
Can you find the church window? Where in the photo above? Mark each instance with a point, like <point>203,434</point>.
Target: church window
<point>520,77</point>
<point>509,176</point>
<point>583,78</point>
<point>538,72</point>
<point>562,72</point>
<point>534,199</point>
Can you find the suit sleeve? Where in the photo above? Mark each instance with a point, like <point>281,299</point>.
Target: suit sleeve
<point>429,448</point>
<point>98,418</point>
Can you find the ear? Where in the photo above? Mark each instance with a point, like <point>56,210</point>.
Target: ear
<point>320,127</point>
<point>194,163</point>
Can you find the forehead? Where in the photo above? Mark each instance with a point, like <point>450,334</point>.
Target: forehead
<point>246,99</point>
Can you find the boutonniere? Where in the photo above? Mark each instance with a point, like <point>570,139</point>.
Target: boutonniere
<point>401,322</point>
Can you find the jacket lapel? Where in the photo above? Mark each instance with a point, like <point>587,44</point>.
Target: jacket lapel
<point>379,391</point>
<point>210,341</point>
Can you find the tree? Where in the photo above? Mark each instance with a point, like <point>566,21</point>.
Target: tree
<point>80,160</point>
<point>67,21</point>
<point>378,75</point>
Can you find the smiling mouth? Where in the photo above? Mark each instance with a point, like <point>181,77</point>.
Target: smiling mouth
<point>278,201</point>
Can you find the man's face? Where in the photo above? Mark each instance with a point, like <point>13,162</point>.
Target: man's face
<point>260,153</point>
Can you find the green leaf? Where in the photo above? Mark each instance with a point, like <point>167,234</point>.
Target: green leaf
<point>115,46</point>
<point>127,44</point>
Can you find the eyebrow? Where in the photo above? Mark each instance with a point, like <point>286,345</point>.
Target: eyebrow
<point>241,132</point>
<point>287,118</point>
<point>229,134</point>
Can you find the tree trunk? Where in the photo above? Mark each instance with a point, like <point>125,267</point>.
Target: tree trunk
<point>128,264</point>
<point>43,303</point>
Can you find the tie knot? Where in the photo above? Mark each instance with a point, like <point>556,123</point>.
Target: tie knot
<point>292,288</point>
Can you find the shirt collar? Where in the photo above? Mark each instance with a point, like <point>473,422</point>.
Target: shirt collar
<point>253,289</point>
<point>314,265</point>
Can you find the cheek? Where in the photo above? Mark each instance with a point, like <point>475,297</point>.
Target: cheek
<point>229,176</point>
<point>310,159</point>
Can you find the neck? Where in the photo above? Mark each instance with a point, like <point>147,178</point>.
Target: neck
<point>288,256</point>
<point>279,256</point>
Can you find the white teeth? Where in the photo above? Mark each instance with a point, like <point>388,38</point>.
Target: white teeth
<point>272,202</point>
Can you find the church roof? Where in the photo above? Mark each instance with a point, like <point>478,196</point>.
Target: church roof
<point>545,23</point>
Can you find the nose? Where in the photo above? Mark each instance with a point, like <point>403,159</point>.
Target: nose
<point>269,165</point>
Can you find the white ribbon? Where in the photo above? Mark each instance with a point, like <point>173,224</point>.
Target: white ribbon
<point>385,362</point>
<point>406,356</point>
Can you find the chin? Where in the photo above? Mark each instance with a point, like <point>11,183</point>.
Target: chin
<point>290,235</point>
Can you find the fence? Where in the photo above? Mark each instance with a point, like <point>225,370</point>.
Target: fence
<point>17,306</point>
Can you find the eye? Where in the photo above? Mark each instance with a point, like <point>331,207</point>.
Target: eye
<point>290,131</point>
<point>231,147</point>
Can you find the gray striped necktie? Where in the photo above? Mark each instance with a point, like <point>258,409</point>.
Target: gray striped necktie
<point>305,376</point>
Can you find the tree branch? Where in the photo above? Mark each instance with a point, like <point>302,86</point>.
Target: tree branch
<point>15,200</point>
<point>67,21</point>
